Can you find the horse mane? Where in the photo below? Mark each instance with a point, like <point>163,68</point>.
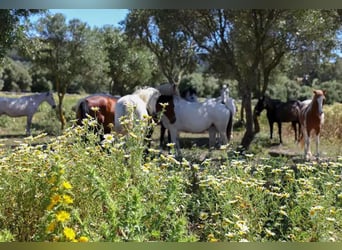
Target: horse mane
<point>149,96</point>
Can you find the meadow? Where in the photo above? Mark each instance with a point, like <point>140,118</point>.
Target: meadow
<point>57,186</point>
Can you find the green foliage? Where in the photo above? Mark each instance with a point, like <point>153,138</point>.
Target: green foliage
<point>173,48</point>
<point>129,65</point>
<point>15,76</point>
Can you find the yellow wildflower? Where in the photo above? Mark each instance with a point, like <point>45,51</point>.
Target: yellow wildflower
<point>211,238</point>
<point>95,109</point>
<point>66,185</point>
<point>62,216</point>
<point>67,199</point>
<point>83,239</point>
<point>69,233</point>
<point>203,216</point>
<point>51,227</point>
<point>55,198</point>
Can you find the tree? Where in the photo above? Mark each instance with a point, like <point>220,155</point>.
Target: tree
<point>158,30</point>
<point>129,65</point>
<point>15,76</point>
<point>62,49</point>
<point>247,45</point>
<point>11,30</point>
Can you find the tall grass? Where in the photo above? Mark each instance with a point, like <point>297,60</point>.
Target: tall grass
<point>74,188</point>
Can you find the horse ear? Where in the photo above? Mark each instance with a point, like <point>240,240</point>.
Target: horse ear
<point>324,92</point>
<point>314,91</point>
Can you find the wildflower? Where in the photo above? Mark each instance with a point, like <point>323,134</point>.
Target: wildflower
<point>173,160</point>
<point>62,216</point>
<point>242,226</point>
<point>211,238</point>
<point>330,219</point>
<point>108,138</point>
<point>52,180</point>
<point>170,145</point>
<point>133,135</point>
<point>269,232</point>
<point>55,198</point>
<point>83,239</point>
<point>282,212</point>
<point>243,240</point>
<point>69,233</point>
<point>95,109</point>
<point>313,211</point>
<point>51,227</point>
<point>67,199</point>
<point>66,185</point>
<point>203,216</point>
<point>230,235</point>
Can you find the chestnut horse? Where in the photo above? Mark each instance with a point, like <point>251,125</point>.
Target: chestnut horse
<point>311,119</point>
<point>99,106</point>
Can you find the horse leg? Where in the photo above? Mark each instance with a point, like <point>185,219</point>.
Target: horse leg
<point>28,124</point>
<point>306,145</point>
<point>212,136</point>
<point>162,133</point>
<point>294,126</point>
<point>279,131</point>
<point>317,146</point>
<point>175,139</point>
<point>271,129</point>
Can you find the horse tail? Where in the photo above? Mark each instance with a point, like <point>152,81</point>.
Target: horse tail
<point>82,111</point>
<point>230,125</point>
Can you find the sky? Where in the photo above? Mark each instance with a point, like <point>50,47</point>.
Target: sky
<point>94,17</point>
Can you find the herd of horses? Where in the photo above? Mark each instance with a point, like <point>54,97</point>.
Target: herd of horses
<point>181,113</point>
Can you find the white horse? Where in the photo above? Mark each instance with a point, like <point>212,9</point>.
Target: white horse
<point>140,104</point>
<point>195,117</point>
<point>25,106</point>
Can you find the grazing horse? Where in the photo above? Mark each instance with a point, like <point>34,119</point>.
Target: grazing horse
<point>99,106</point>
<point>195,117</point>
<point>139,105</point>
<point>279,112</point>
<point>311,119</point>
<point>25,106</point>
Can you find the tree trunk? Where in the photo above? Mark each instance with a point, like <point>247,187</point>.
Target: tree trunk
<point>61,94</point>
<point>249,133</point>
<point>60,110</point>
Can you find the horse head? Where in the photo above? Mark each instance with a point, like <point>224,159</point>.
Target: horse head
<point>50,99</point>
<point>149,96</point>
<point>261,105</point>
<point>319,96</point>
<point>190,94</point>
<point>165,104</point>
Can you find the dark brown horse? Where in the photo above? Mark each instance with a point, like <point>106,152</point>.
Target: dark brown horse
<point>311,120</point>
<point>99,106</point>
<point>278,112</point>
<point>168,111</point>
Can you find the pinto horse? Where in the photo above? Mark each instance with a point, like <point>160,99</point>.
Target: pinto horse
<point>195,117</point>
<point>189,94</point>
<point>311,119</point>
<point>99,106</point>
<point>25,106</point>
<point>279,112</point>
